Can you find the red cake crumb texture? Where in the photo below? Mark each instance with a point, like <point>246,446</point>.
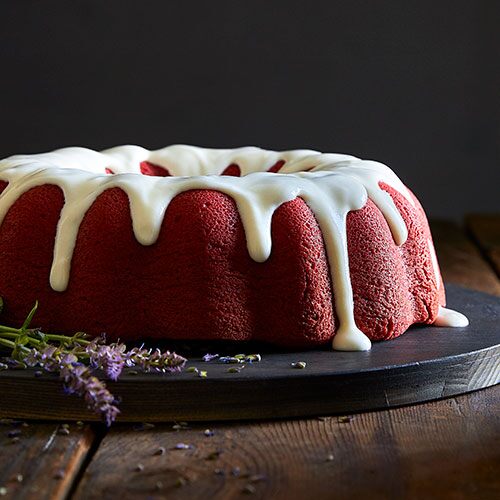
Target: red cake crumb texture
<point>199,282</point>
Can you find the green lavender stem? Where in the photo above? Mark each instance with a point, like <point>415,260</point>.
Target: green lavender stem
<point>13,345</point>
<point>8,329</point>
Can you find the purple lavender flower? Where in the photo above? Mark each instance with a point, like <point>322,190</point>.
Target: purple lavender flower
<point>35,349</point>
<point>78,379</point>
<point>109,358</point>
<point>149,360</point>
<point>208,357</point>
<point>48,358</point>
<point>182,446</point>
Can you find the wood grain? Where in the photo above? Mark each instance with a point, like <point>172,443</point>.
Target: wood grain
<point>485,230</point>
<point>460,260</point>
<point>445,449</point>
<point>42,460</point>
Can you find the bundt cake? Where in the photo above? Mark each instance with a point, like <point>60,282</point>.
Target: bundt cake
<point>296,248</point>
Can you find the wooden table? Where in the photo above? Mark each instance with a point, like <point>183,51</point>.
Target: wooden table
<point>443,449</point>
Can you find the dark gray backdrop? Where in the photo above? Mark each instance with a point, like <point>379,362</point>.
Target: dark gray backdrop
<point>412,84</point>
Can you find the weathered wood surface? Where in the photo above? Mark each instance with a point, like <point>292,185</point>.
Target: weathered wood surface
<point>485,230</point>
<point>460,259</point>
<point>40,460</point>
<point>445,449</point>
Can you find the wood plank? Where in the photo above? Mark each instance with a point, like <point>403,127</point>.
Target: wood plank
<point>485,230</point>
<point>460,260</point>
<point>445,449</point>
<point>42,460</point>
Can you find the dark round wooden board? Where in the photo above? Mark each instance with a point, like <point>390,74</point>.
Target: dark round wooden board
<point>424,364</point>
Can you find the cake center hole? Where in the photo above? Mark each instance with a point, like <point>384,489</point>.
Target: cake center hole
<point>154,170</point>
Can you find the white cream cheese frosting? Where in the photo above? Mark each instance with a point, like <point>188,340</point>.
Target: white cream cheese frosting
<point>450,318</point>
<point>331,184</point>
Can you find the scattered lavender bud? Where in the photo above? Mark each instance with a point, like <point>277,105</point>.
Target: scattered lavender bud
<point>253,358</point>
<point>139,467</point>
<point>230,360</point>
<point>235,369</point>
<point>299,364</point>
<point>182,446</point>
<point>249,489</point>
<point>38,373</point>
<point>345,419</point>
<point>63,430</point>
<point>180,426</point>
<point>14,433</point>
<point>181,481</point>
<point>208,357</point>
<point>160,451</point>
<point>235,471</point>
<point>257,478</point>
<point>208,432</point>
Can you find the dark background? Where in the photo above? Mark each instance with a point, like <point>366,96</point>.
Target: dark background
<point>413,84</point>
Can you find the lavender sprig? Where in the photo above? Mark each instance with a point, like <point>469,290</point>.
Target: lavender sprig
<point>77,379</point>
<point>112,358</point>
<point>154,360</point>
<point>75,358</point>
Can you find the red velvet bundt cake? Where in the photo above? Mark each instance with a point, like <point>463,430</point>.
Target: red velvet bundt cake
<point>297,248</point>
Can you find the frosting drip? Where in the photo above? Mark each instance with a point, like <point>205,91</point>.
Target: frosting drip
<point>450,318</point>
<point>331,184</point>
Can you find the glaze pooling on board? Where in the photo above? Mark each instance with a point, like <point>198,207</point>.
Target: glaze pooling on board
<point>331,184</point>
<point>450,318</point>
